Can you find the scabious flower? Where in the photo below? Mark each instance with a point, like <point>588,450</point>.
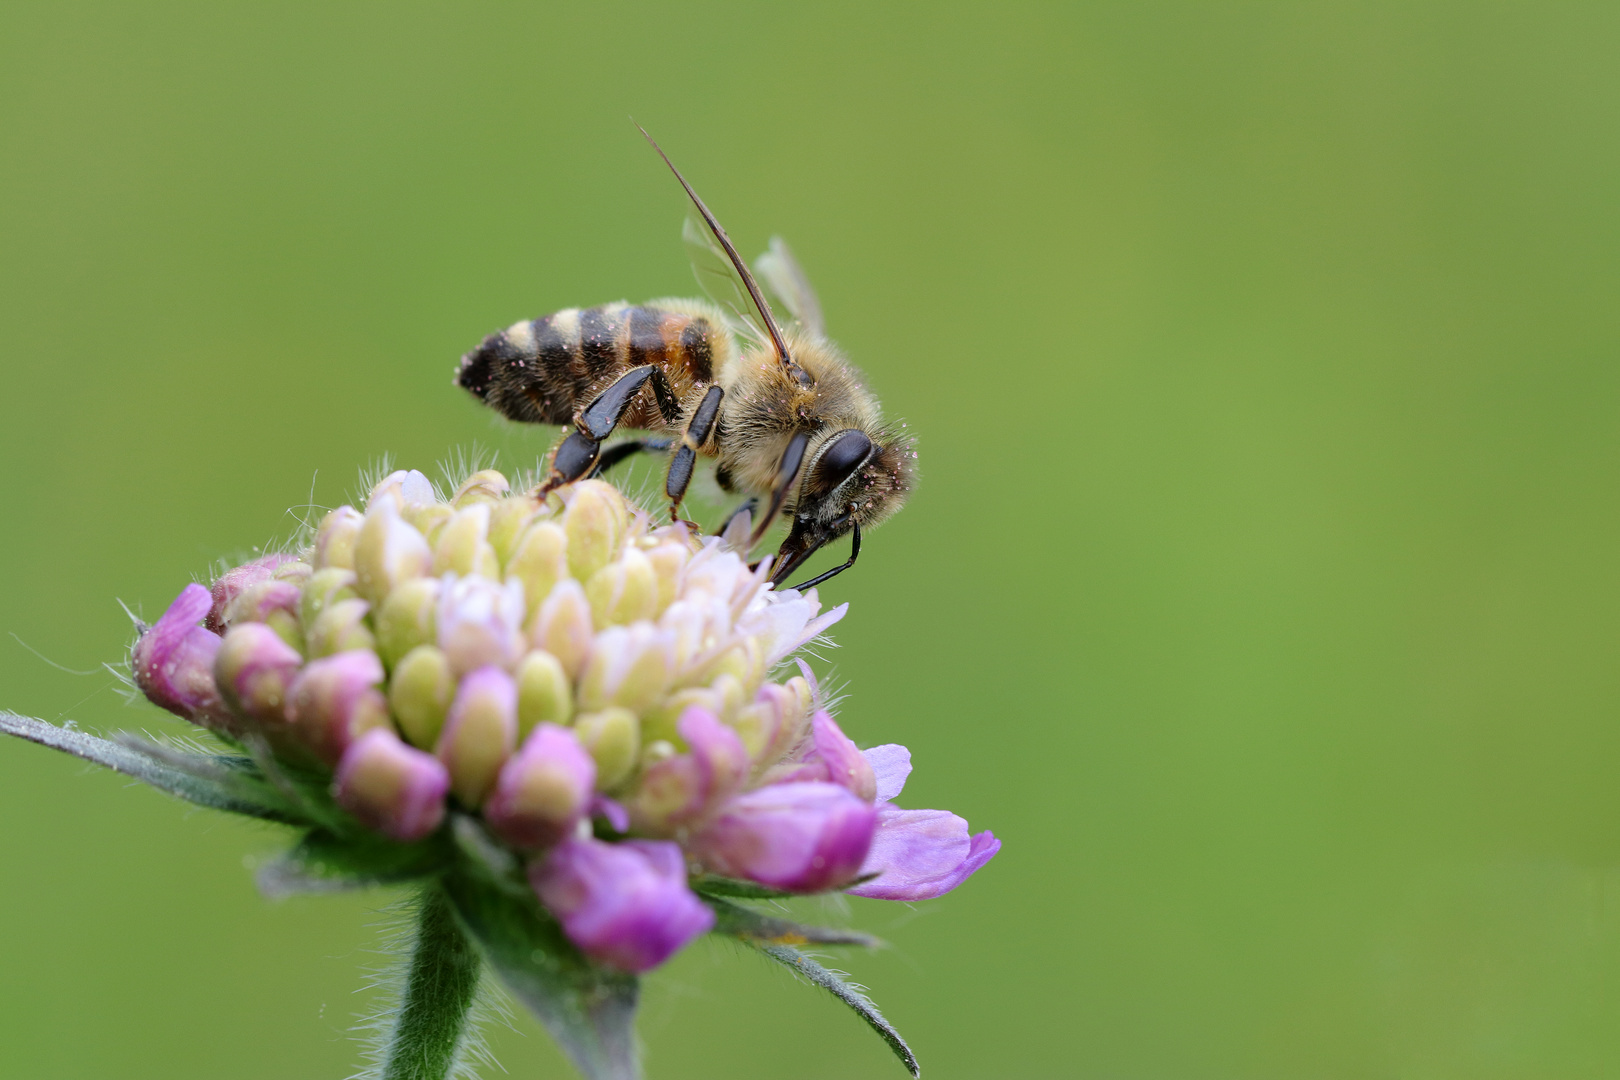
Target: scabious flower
<point>576,730</point>
<point>544,665</point>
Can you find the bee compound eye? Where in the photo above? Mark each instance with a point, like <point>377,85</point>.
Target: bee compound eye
<point>844,454</point>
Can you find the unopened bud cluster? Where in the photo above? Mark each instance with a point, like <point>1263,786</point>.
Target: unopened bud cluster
<point>548,665</point>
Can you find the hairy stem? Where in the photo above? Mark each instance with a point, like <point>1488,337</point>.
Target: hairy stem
<point>432,1023</point>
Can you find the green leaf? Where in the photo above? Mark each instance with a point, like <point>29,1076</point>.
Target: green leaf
<point>322,862</point>
<point>758,928</point>
<point>589,1009</point>
<point>205,779</point>
<point>849,994</point>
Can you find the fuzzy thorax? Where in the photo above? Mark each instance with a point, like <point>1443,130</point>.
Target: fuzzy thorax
<point>766,407</point>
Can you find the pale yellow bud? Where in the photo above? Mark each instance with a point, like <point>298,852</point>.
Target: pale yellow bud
<point>484,486</point>
<point>563,626</point>
<point>408,618</point>
<point>623,591</point>
<point>339,627</point>
<point>335,539</point>
<point>628,666</point>
<point>458,544</point>
<point>729,693</point>
<point>388,552</point>
<point>756,725</point>
<point>595,523</point>
<point>544,694</point>
<point>480,733</point>
<point>507,520</point>
<point>668,560</point>
<point>658,723</point>
<point>539,560</point>
<point>419,694</point>
<point>325,587</point>
<point>744,662</point>
<point>429,519</point>
<point>613,741</point>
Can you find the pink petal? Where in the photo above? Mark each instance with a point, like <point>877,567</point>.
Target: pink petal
<point>891,764</point>
<point>921,854</point>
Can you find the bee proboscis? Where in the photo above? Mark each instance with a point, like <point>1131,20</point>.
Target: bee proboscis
<point>787,419</point>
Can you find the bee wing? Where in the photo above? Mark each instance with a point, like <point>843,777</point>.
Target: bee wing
<point>719,281</point>
<point>786,279</point>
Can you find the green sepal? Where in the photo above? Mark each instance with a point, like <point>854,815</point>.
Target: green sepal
<point>324,862</point>
<point>589,1009</point>
<point>757,928</point>
<point>310,789</point>
<point>715,885</point>
<point>790,957</point>
<point>217,781</point>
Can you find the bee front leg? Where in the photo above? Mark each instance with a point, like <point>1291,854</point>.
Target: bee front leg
<point>787,472</point>
<point>577,456</point>
<point>684,460</point>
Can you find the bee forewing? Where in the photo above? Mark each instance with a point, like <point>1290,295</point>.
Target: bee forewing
<point>720,283</point>
<point>787,281</point>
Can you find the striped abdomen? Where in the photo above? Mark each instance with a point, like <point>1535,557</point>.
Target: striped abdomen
<point>543,371</point>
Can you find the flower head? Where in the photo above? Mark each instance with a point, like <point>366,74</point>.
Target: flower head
<point>538,664</point>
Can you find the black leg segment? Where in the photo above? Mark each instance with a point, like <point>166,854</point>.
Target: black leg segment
<point>620,451</point>
<point>602,415</point>
<point>684,461</point>
<point>574,459</point>
<point>854,553</point>
<point>787,472</point>
<point>577,455</point>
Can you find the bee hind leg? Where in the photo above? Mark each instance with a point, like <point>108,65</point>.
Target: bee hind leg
<point>577,456</point>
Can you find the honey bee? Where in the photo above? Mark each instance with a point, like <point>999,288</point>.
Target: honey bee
<point>785,417</point>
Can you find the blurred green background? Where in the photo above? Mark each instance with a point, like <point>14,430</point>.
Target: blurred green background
<point>1260,591</point>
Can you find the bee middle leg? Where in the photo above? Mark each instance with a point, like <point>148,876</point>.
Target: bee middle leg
<point>684,460</point>
<point>620,451</point>
<point>577,456</point>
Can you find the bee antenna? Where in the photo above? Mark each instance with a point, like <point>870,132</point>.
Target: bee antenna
<point>731,253</point>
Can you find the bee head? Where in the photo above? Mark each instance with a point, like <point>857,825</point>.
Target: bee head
<point>855,477</point>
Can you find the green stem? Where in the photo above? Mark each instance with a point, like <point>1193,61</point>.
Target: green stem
<point>432,1024</point>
